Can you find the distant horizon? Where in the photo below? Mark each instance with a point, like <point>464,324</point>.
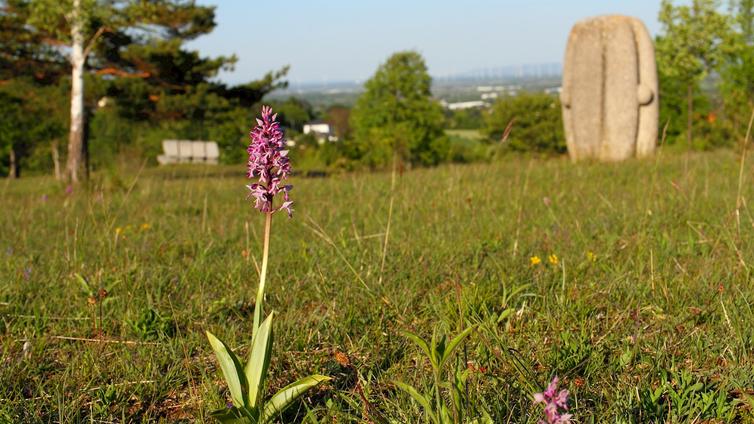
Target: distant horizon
<point>333,41</point>
<point>481,75</point>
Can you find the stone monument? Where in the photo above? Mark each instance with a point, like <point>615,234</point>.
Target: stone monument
<point>609,94</point>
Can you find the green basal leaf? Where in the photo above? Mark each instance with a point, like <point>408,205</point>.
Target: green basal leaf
<point>109,299</point>
<point>518,290</point>
<point>433,351</point>
<point>229,416</point>
<point>283,399</point>
<point>453,345</point>
<point>259,361</point>
<point>485,419</point>
<point>422,400</point>
<point>231,368</point>
<point>440,348</point>
<point>421,343</point>
<point>445,415</point>
<point>505,314</point>
<point>84,284</point>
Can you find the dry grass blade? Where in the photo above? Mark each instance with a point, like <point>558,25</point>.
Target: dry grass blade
<point>744,148</point>
<point>320,232</point>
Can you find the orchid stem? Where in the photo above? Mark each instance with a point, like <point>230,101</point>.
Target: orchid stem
<point>263,272</point>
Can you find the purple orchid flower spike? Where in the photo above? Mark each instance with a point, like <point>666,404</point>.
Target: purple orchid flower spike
<point>554,401</point>
<point>268,161</point>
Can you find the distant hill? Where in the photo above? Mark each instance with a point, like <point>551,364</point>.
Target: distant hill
<point>455,87</point>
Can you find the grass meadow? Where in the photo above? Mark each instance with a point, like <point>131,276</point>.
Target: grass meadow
<point>642,300</point>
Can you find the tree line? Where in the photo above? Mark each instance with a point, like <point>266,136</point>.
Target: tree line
<point>94,75</point>
<point>103,77</point>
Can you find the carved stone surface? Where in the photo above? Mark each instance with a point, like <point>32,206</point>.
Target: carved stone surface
<point>609,94</point>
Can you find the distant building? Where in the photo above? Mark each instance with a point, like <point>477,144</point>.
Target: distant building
<point>473,104</point>
<point>104,101</point>
<point>321,130</point>
<point>494,91</point>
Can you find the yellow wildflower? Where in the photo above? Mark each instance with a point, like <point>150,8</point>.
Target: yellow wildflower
<point>534,260</point>
<point>590,256</point>
<point>118,231</point>
<point>553,259</point>
<point>145,226</point>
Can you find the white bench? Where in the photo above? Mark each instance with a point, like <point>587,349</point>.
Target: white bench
<point>187,151</point>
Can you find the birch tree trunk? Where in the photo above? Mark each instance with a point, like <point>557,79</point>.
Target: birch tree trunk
<point>56,160</point>
<point>13,166</point>
<point>76,135</point>
<point>689,115</point>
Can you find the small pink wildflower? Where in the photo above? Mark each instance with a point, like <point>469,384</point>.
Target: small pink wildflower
<point>554,401</point>
<point>269,162</point>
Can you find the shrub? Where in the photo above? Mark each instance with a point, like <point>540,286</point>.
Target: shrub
<point>396,115</point>
<point>537,124</point>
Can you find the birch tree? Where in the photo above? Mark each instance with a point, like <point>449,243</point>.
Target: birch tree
<point>72,26</point>
<point>110,38</point>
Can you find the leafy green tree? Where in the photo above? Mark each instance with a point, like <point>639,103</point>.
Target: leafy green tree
<point>338,116</point>
<point>737,85</point>
<point>464,119</point>
<point>535,123</point>
<point>30,70</point>
<point>76,26</point>
<point>396,115</point>
<point>693,45</point>
<point>294,113</point>
<point>10,131</point>
<point>30,121</point>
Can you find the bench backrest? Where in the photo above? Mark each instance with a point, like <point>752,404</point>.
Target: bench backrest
<point>184,150</point>
<point>213,152</point>
<point>170,147</point>
<point>189,151</point>
<point>197,150</point>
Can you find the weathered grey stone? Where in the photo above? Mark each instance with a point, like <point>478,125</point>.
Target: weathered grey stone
<point>609,94</point>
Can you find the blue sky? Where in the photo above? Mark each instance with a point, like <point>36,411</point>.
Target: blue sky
<point>342,40</point>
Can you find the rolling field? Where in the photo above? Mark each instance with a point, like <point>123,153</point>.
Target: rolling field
<point>470,134</point>
<point>632,283</point>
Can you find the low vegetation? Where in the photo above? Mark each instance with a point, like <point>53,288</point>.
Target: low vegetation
<point>631,283</point>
